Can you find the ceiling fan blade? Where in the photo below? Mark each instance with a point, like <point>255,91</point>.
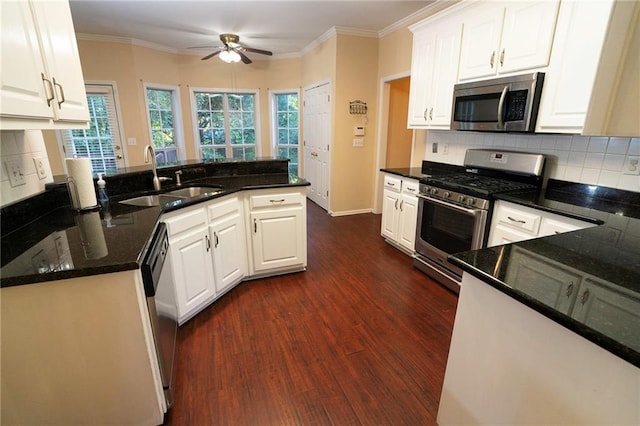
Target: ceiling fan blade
<point>260,51</point>
<point>211,55</point>
<point>244,57</point>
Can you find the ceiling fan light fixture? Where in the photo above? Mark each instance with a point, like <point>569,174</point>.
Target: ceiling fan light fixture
<point>229,56</point>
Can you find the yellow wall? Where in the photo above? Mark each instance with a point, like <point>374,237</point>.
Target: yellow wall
<point>399,137</point>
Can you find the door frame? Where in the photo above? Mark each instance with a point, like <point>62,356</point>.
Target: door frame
<point>381,143</point>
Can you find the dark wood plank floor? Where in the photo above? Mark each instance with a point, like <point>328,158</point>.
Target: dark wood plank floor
<point>360,338</point>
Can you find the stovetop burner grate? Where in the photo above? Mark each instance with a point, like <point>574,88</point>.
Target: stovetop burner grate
<point>465,182</point>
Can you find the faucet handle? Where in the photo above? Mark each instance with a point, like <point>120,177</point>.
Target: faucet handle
<point>164,179</point>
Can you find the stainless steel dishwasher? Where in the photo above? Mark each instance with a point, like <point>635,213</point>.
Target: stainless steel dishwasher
<point>161,301</point>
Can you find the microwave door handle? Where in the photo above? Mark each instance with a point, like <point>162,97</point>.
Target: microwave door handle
<point>503,96</point>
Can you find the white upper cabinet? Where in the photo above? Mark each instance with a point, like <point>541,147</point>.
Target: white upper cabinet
<point>592,80</point>
<point>502,38</point>
<point>434,70</point>
<point>41,82</point>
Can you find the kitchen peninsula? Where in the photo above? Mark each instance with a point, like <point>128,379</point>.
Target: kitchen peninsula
<point>76,334</point>
<point>547,330</point>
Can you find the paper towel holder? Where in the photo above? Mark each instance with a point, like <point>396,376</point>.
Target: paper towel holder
<point>71,184</point>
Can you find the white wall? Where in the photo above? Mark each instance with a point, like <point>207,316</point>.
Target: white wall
<point>582,159</point>
<point>22,146</point>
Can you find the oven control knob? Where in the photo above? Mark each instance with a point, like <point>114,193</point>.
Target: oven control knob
<point>470,201</point>
<point>434,191</point>
<point>446,194</point>
<point>461,198</point>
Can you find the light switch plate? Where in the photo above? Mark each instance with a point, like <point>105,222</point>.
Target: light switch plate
<point>358,142</point>
<point>41,169</point>
<point>15,172</point>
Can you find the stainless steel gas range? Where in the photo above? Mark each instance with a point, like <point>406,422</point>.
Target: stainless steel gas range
<point>454,210</point>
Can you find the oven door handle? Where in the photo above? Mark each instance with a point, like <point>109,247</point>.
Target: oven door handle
<point>472,212</point>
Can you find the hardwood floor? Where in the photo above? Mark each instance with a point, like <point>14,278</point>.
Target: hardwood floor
<point>360,338</point>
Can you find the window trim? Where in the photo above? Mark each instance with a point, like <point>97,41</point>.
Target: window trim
<point>105,85</point>
<point>177,115</point>
<point>194,114</point>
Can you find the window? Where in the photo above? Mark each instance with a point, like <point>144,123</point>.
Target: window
<point>101,142</point>
<point>163,108</point>
<point>226,125</point>
<point>286,127</point>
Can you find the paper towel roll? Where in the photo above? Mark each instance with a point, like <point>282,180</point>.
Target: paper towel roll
<point>92,235</point>
<point>81,178</point>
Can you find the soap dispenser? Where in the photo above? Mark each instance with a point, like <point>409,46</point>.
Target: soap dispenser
<point>103,198</point>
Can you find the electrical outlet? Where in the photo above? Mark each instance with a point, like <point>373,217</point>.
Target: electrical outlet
<point>445,149</point>
<point>41,169</point>
<point>358,142</point>
<point>434,148</point>
<point>632,166</point>
<point>15,172</point>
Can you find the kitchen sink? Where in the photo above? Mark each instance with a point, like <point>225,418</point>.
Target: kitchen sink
<point>194,191</point>
<point>151,200</point>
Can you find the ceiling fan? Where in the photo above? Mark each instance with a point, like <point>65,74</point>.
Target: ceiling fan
<point>233,51</point>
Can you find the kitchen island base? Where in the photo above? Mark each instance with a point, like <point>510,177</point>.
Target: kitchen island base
<point>508,364</point>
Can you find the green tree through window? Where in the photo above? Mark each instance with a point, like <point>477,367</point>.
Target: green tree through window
<point>287,128</point>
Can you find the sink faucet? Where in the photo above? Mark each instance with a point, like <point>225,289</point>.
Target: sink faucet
<point>156,179</point>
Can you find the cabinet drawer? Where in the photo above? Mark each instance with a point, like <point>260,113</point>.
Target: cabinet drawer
<point>523,221</point>
<point>274,200</point>
<point>222,207</point>
<point>185,221</point>
<point>392,183</point>
<point>410,186</point>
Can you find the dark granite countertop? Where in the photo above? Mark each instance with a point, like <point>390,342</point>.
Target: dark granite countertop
<point>428,168</point>
<point>604,262</point>
<point>63,244</point>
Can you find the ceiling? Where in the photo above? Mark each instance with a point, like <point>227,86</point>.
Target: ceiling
<point>286,28</point>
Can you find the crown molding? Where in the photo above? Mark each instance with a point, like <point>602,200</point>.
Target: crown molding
<point>425,12</point>
<point>124,40</point>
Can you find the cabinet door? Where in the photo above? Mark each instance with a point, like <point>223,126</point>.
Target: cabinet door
<point>278,238</point>
<point>22,89</point>
<point>480,41</point>
<point>551,283</point>
<point>527,35</point>
<point>390,212</point>
<point>229,250</point>
<point>421,75</point>
<point>408,221</point>
<point>62,60</point>
<point>610,310</point>
<point>501,234</point>
<point>192,267</point>
<point>445,75</point>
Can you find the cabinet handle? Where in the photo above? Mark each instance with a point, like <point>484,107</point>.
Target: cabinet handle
<point>516,220</point>
<point>424,114</point>
<point>277,201</point>
<point>585,296</point>
<point>48,89</point>
<point>215,238</point>
<point>502,58</point>
<point>396,204</point>
<point>391,184</point>
<point>569,289</point>
<point>206,237</point>
<point>61,91</point>
<point>255,226</point>
<point>401,203</point>
<point>493,58</point>
<point>411,189</point>
<point>431,114</point>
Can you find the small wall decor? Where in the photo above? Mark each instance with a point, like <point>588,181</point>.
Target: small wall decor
<point>358,107</point>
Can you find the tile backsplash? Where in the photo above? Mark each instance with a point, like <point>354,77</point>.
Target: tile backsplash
<point>20,151</point>
<point>583,159</point>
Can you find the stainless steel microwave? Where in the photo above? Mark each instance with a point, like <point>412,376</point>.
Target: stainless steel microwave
<point>508,104</point>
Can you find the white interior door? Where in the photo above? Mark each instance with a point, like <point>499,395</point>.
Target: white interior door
<point>317,142</point>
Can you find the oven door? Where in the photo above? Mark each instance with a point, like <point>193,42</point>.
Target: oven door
<point>444,228</point>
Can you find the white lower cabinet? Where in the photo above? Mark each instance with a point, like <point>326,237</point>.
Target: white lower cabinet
<point>227,235</point>
<point>191,261</point>
<point>511,223</point>
<point>400,211</point>
<point>277,223</point>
